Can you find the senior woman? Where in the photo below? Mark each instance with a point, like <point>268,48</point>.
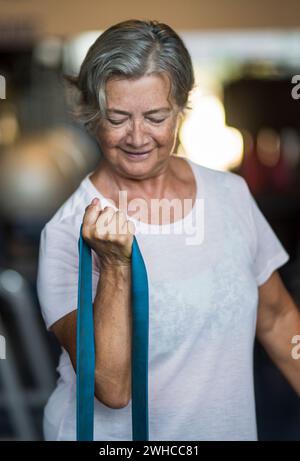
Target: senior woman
<point>211,265</point>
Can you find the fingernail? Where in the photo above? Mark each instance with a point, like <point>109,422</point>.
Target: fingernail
<point>95,201</point>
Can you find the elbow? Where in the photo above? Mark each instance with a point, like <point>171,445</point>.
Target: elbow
<point>117,405</point>
<point>112,395</point>
<point>113,402</point>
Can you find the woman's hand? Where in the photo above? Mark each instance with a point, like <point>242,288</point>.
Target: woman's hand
<point>109,234</point>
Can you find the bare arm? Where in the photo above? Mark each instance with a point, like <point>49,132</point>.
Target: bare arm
<point>112,320</point>
<point>278,321</point>
<point>112,311</point>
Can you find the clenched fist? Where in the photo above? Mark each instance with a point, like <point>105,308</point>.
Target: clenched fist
<point>108,233</point>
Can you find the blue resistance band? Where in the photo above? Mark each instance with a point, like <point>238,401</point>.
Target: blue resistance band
<point>85,345</point>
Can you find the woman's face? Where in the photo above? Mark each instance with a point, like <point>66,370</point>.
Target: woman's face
<point>139,131</point>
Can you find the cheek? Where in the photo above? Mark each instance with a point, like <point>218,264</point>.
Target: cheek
<point>167,134</point>
<point>110,138</point>
<point>164,135</point>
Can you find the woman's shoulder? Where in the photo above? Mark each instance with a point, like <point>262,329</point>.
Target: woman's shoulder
<point>213,179</point>
<point>70,213</point>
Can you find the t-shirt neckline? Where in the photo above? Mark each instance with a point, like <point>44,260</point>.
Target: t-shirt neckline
<point>141,224</point>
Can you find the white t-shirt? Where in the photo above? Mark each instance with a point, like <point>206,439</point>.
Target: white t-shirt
<point>203,300</point>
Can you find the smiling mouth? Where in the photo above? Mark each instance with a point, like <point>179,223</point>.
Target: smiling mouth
<point>136,153</point>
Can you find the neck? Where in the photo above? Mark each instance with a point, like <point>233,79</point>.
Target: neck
<point>154,185</point>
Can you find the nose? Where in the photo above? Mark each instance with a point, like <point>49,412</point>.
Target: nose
<point>136,135</point>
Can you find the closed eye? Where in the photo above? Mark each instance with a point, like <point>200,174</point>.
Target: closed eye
<point>155,120</point>
<point>116,122</point>
<point>152,120</point>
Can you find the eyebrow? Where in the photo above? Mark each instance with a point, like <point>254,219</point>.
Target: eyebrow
<point>153,111</point>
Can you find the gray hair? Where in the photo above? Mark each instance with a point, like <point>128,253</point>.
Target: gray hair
<point>131,49</point>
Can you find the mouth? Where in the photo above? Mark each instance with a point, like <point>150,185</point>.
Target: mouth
<point>137,155</point>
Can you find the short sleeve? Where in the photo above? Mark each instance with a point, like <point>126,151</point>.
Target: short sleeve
<point>269,253</point>
<point>57,278</point>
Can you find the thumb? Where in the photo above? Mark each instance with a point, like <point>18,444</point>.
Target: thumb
<point>92,212</point>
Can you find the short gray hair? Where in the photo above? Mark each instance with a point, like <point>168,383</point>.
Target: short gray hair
<point>131,49</point>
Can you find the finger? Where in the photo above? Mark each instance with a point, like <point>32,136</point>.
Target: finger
<point>92,212</point>
<point>120,221</point>
<point>104,219</point>
<point>115,225</point>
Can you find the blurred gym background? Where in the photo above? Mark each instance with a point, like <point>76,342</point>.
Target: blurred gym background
<point>245,118</point>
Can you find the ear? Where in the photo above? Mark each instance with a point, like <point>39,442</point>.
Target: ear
<point>181,113</point>
<point>180,117</point>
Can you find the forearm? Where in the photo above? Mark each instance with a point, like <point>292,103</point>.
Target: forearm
<point>113,332</point>
<point>278,345</point>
